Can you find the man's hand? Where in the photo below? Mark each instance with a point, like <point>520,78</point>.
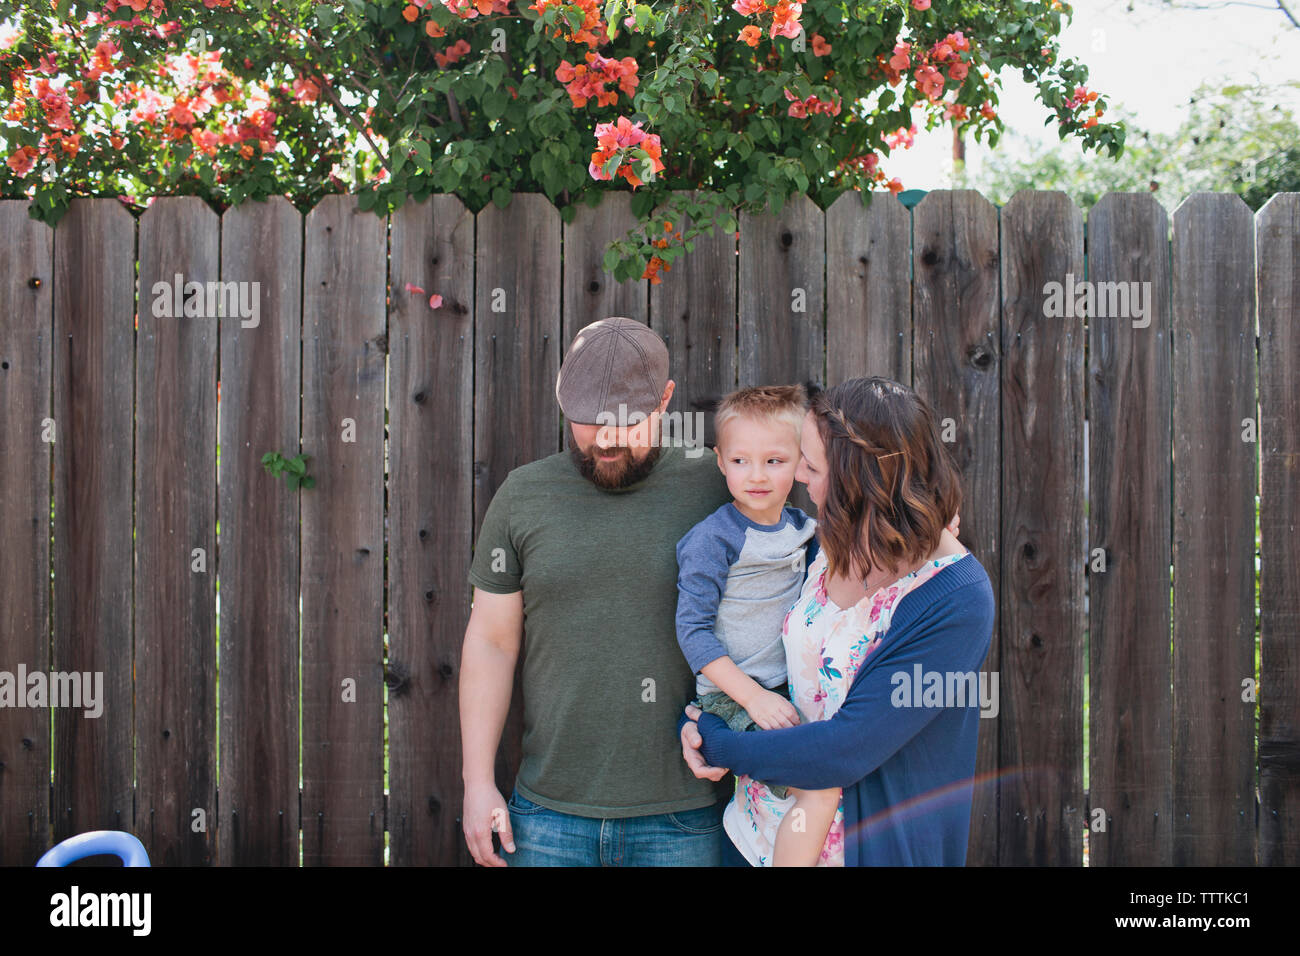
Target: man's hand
<point>691,741</point>
<point>770,710</point>
<point>484,812</point>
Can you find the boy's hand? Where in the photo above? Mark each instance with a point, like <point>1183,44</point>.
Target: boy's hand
<point>770,710</point>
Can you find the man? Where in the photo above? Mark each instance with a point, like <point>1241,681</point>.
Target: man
<point>577,557</point>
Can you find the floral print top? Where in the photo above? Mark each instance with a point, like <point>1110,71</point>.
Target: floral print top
<point>824,647</point>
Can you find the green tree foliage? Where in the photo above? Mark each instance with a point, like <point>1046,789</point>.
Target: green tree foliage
<point>749,102</point>
<point>1234,138</point>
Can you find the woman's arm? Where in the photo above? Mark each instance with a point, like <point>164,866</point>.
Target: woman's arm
<point>951,637</point>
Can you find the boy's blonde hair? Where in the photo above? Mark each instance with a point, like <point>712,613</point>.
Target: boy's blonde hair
<point>768,403</point>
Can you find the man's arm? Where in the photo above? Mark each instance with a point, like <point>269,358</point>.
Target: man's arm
<point>492,640</point>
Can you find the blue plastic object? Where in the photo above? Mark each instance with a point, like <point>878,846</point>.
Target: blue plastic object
<point>910,197</point>
<point>94,843</point>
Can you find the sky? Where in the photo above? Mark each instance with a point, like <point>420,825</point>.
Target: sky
<point>1141,54</point>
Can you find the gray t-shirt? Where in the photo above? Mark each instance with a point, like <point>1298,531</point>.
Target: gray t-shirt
<point>736,581</point>
<point>603,679</point>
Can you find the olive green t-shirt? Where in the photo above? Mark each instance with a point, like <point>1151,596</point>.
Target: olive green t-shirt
<point>604,680</point>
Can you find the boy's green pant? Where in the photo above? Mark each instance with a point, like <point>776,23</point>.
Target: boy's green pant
<point>738,719</point>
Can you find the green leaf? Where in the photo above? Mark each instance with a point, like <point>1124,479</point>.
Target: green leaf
<point>501,197</point>
<point>309,482</point>
<point>325,15</point>
<point>495,103</point>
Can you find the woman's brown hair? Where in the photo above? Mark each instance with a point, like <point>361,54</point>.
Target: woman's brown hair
<point>891,485</point>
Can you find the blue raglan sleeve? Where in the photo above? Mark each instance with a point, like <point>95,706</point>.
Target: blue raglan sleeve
<point>868,728</point>
<point>703,558</point>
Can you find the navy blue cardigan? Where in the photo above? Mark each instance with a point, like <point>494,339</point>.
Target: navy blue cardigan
<point>906,770</point>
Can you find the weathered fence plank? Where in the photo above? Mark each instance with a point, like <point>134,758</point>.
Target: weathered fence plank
<point>94,258</point>
<point>868,289</point>
<point>912,296</point>
<point>516,361</point>
<point>26,324</point>
<point>175,537</point>
<point>694,308</point>
<point>1129,493</point>
<point>343,363</point>
<point>783,295</point>
<point>261,384</point>
<point>1278,249</point>
<point>589,292</point>
<point>1041,727</point>
<point>1213,531</point>
<point>782,301</point>
<point>430,509</point>
<point>956,341</point>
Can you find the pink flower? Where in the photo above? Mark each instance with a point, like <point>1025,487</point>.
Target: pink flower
<point>435,301</point>
<point>920,4</point>
<point>414,289</point>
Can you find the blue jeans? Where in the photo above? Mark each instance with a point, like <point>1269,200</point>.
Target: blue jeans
<point>546,837</point>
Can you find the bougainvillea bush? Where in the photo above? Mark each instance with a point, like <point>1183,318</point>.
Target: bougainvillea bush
<point>749,102</point>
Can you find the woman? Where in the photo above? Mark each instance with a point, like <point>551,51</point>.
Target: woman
<point>891,600</point>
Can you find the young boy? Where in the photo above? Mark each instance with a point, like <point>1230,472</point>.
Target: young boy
<point>739,572</point>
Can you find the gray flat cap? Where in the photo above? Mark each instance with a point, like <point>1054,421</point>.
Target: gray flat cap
<point>616,361</point>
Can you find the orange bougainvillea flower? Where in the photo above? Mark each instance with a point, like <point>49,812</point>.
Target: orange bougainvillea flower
<point>750,35</point>
<point>588,81</point>
<point>820,46</point>
<point>929,81</point>
<point>454,53</point>
<point>652,270</point>
<point>305,89</point>
<point>22,160</point>
<point>785,19</point>
<point>410,13</point>
<point>591,32</point>
<point>469,9</point>
<point>902,56</point>
<point>619,139</point>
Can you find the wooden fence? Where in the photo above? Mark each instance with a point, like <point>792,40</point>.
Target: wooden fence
<point>112,492</point>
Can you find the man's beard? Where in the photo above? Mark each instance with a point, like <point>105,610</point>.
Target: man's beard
<point>613,475</point>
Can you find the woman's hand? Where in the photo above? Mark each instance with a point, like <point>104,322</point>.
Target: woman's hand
<point>691,741</point>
